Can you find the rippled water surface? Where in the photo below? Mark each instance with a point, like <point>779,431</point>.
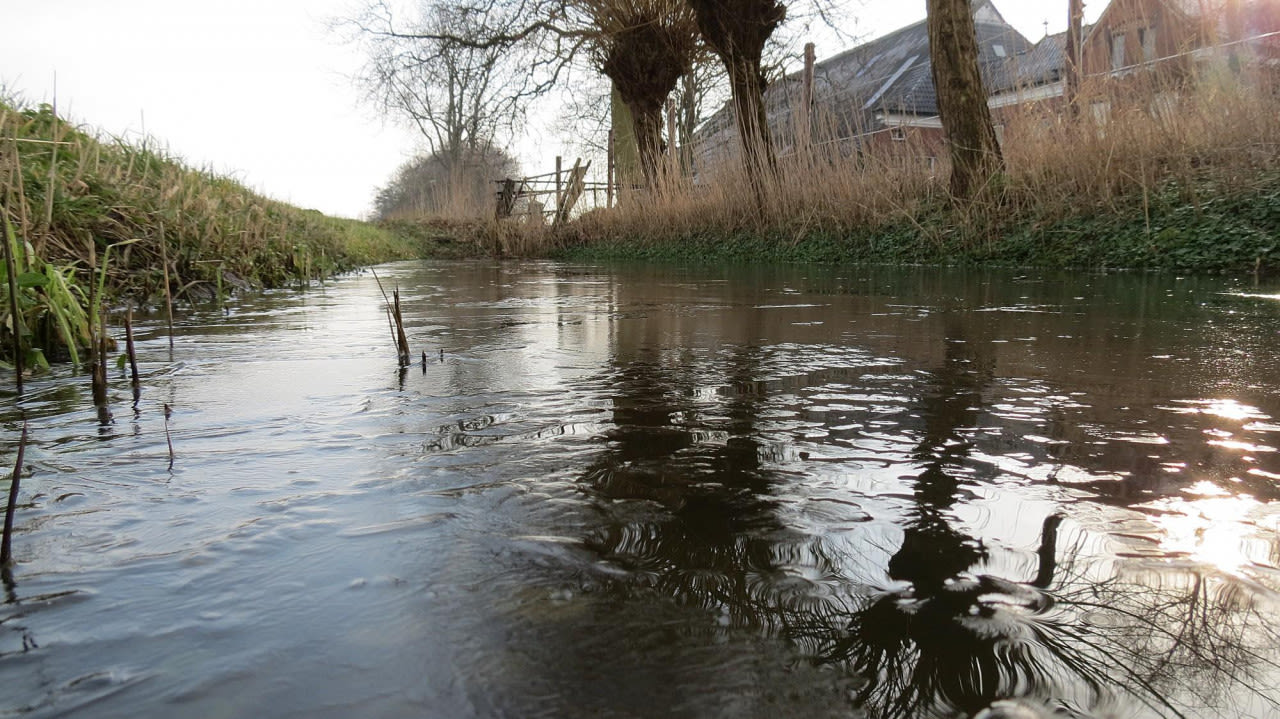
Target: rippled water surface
<point>638,492</point>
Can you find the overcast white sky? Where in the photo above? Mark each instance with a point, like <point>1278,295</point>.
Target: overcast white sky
<point>260,89</point>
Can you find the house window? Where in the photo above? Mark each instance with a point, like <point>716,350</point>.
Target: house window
<point>1147,38</point>
<point>1117,51</point>
<point>898,134</point>
<point>998,50</point>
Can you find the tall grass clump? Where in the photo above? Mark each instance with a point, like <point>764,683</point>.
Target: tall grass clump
<point>1147,172</point>
<point>67,195</point>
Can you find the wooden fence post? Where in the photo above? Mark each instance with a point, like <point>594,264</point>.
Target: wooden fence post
<point>573,191</point>
<point>609,171</point>
<point>559,187</point>
<point>806,97</point>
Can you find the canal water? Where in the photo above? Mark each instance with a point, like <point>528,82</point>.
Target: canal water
<point>662,492</point>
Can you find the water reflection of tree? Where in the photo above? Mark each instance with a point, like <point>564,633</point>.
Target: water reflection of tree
<point>1079,648</point>
<point>953,640</point>
<point>940,641</point>
<point>703,527</point>
<point>944,637</point>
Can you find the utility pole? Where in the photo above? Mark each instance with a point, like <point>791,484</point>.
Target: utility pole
<point>610,171</point>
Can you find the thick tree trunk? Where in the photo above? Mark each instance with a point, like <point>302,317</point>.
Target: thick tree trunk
<point>645,61</point>
<point>736,30</point>
<point>962,101</point>
<point>626,148</point>
<point>747,86</point>
<point>647,122</point>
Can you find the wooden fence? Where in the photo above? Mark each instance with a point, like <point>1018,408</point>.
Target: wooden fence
<point>552,196</point>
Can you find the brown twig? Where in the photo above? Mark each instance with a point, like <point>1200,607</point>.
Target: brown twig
<point>401,340</point>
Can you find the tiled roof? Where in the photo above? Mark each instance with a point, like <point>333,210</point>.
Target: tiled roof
<point>1044,63</point>
<point>891,74</point>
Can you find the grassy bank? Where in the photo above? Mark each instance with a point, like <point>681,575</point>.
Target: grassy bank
<point>68,196</point>
<point>1187,182</point>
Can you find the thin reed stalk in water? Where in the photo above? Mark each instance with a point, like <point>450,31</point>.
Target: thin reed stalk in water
<point>129,350</point>
<point>401,340</point>
<point>99,375</point>
<point>396,322</point>
<point>168,294</point>
<point>168,440</point>
<point>390,323</point>
<point>6,545</point>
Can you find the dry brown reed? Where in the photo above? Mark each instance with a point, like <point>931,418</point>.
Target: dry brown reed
<point>1129,139</point>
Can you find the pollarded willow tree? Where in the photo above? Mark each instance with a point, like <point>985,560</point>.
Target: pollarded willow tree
<point>644,47</point>
<point>737,31</point>
<point>962,100</point>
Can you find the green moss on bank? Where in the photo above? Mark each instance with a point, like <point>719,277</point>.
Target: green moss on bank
<point>1205,228</point>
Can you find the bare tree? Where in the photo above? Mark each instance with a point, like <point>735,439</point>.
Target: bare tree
<point>962,101</point>
<point>583,116</point>
<point>461,96</point>
<point>644,46</point>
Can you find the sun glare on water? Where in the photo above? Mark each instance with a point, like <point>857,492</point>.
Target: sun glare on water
<point>1212,527</point>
